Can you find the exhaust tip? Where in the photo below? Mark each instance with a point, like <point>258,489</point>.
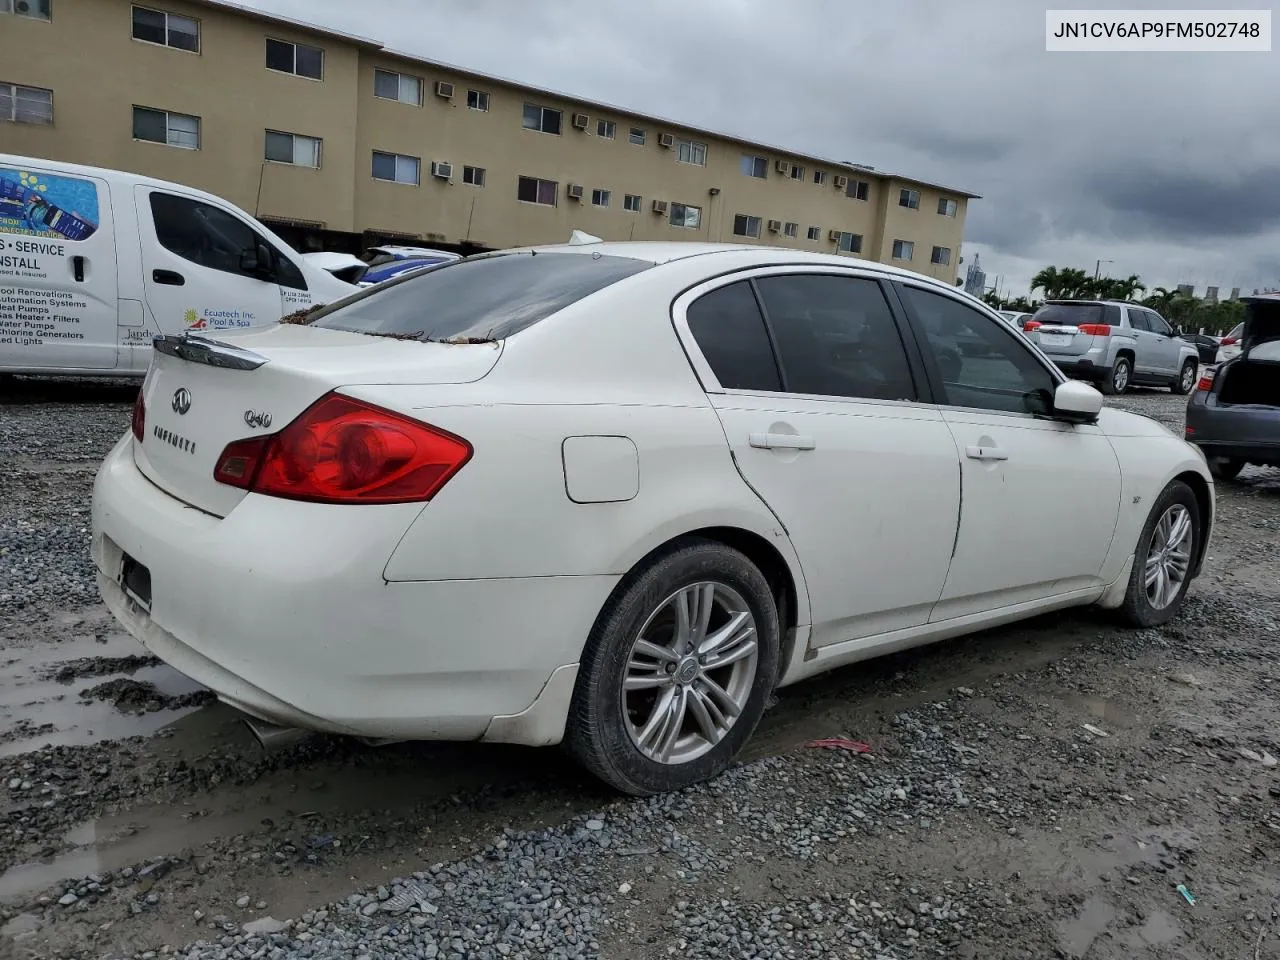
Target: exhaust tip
<point>271,736</point>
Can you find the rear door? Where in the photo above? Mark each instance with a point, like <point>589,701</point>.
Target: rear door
<point>58,283</point>
<point>203,266</point>
<point>834,438</point>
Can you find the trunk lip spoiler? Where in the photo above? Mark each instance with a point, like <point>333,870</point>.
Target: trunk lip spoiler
<point>213,353</point>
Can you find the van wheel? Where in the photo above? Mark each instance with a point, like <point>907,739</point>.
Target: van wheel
<point>1162,559</point>
<point>676,673</point>
<point>1186,378</point>
<point>1225,468</point>
<point>1118,382</point>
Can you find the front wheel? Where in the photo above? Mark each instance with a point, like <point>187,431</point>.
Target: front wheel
<point>1163,558</point>
<point>676,672</point>
<point>1118,382</point>
<point>1186,378</point>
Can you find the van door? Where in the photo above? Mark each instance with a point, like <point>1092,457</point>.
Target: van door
<point>206,268</point>
<point>57,271</point>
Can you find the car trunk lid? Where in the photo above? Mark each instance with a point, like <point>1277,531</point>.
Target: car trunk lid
<point>201,394</point>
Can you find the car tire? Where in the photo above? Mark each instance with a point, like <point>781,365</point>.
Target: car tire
<point>1150,605</point>
<point>1186,378</point>
<point>608,723</point>
<point>1225,468</point>
<point>1118,382</point>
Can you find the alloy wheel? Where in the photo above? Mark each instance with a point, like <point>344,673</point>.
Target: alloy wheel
<point>1188,377</point>
<point>1168,556</point>
<point>1120,378</point>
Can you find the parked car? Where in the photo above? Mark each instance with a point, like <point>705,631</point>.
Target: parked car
<point>1234,416</point>
<point>614,494</point>
<point>95,263</point>
<point>378,264</point>
<point>1019,320</point>
<point>1206,345</point>
<point>1229,348</point>
<point>1115,345</point>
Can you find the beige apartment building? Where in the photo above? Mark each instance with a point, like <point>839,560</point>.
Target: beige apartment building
<point>338,142</point>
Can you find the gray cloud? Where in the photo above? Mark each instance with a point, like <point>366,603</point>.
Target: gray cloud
<point>1162,163</point>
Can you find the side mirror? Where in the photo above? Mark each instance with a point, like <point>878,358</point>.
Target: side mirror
<point>1076,402</point>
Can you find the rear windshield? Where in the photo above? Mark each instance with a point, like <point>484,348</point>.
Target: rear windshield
<point>1070,314</point>
<point>487,297</point>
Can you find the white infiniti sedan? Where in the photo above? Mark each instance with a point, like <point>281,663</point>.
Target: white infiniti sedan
<point>614,494</point>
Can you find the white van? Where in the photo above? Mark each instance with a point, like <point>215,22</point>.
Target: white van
<point>96,263</point>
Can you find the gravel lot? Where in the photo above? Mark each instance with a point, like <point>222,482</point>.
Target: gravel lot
<point>139,820</point>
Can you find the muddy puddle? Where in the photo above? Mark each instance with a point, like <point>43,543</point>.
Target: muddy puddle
<point>87,690</point>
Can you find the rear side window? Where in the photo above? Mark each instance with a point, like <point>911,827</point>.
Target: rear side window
<point>489,297</point>
<point>1073,314</point>
<point>730,332</point>
<point>1138,320</point>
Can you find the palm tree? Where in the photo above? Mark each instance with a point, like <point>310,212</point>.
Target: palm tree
<point>1048,281</point>
<point>1160,299</point>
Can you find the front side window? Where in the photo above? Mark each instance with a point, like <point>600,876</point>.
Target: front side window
<point>691,151</point>
<point>683,215</point>
<point>983,364</point>
<point>729,329</point>
<point>292,148</point>
<point>1156,324</point>
<point>160,126</point>
<point>203,234</point>
<point>533,190</point>
<point>401,87</point>
<point>397,168</point>
<point>487,296</point>
<point>836,337</point>
<point>745,225</point>
<point>166,29</point>
<point>19,104</point>
<point>542,119</point>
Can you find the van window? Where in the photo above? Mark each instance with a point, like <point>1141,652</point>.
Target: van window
<point>211,237</point>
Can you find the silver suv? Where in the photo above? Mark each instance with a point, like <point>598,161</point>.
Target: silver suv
<point>1116,345</point>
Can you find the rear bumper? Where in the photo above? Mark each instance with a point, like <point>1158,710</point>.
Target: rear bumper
<point>1243,431</point>
<point>1081,368</point>
<point>280,608</point>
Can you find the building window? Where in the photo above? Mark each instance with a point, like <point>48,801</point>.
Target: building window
<point>291,148</point>
<point>173,129</point>
<point>397,86</point>
<point>819,177</point>
<point>903,249</point>
<point>797,172</point>
<point>791,230</point>
<point>947,208</point>
<point>849,242</point>
<point>542,119</point>
<point>601,198</point>
<point>683,215</point>
<point>815,233</point>
<point>746,226</point>
<point>35,9</point>
<point>533,190</point>
<point>166,29</point>
<point>941,256</point>
<point>909,199</point>
<point>754,166</point>
<point>858,189</point>
<point>631,202</point>
<point>296,58</point>
<point>395,168</point>
<point>478,100</point>
<point>19,104</point>
<point>606,129</point>
<point>473,175</point>
<point>691,151</point>
<point>637,136</point>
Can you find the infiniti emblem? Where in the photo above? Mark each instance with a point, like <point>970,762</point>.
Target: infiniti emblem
<point>181,401</point>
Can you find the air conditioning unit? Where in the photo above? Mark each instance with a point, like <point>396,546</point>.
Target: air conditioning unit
<point>666,140</point>
<point>659,206</point>
<point>580,121</point>
<point>444,89</point>
<point>841,182</point>
<point>782,166</point>
<point>575,191</point>
<point>442,169</point>
<point>775,226</point>
<point>834,235</point>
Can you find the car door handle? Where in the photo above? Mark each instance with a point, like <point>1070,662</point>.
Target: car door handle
<point>976,452</point>
<point>780,441</point>
<point>77,268</point>
<point>168,277</point>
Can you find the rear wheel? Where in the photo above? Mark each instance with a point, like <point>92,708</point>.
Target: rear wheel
<point>1118,382</point>
<point>1186,378</point>
<point>1162,560</point>
<point>1225,468</point>
<point>676,672</point>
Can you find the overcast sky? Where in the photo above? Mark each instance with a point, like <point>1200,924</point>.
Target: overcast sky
<point>1167,164</point>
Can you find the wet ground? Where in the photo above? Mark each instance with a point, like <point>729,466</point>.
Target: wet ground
<point>135,815</point>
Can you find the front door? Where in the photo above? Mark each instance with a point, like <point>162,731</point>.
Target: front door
<point>1040,498</point>
<point>58,282</point>
<point>864,478</point>
<point>1166,349</point>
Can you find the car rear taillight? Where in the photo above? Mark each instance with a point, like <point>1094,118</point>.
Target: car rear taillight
<point>1206,380</point>
<point>1228,341</point>
<point>1095,329</point>
<point>1032,325</point>
<point>342,450</point>
<point>139,422</point>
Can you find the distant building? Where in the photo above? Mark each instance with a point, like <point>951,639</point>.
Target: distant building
<point>1235,293</point>
<point>1187,289</point>
<point>975,281</point>
<point>1211,295</point>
